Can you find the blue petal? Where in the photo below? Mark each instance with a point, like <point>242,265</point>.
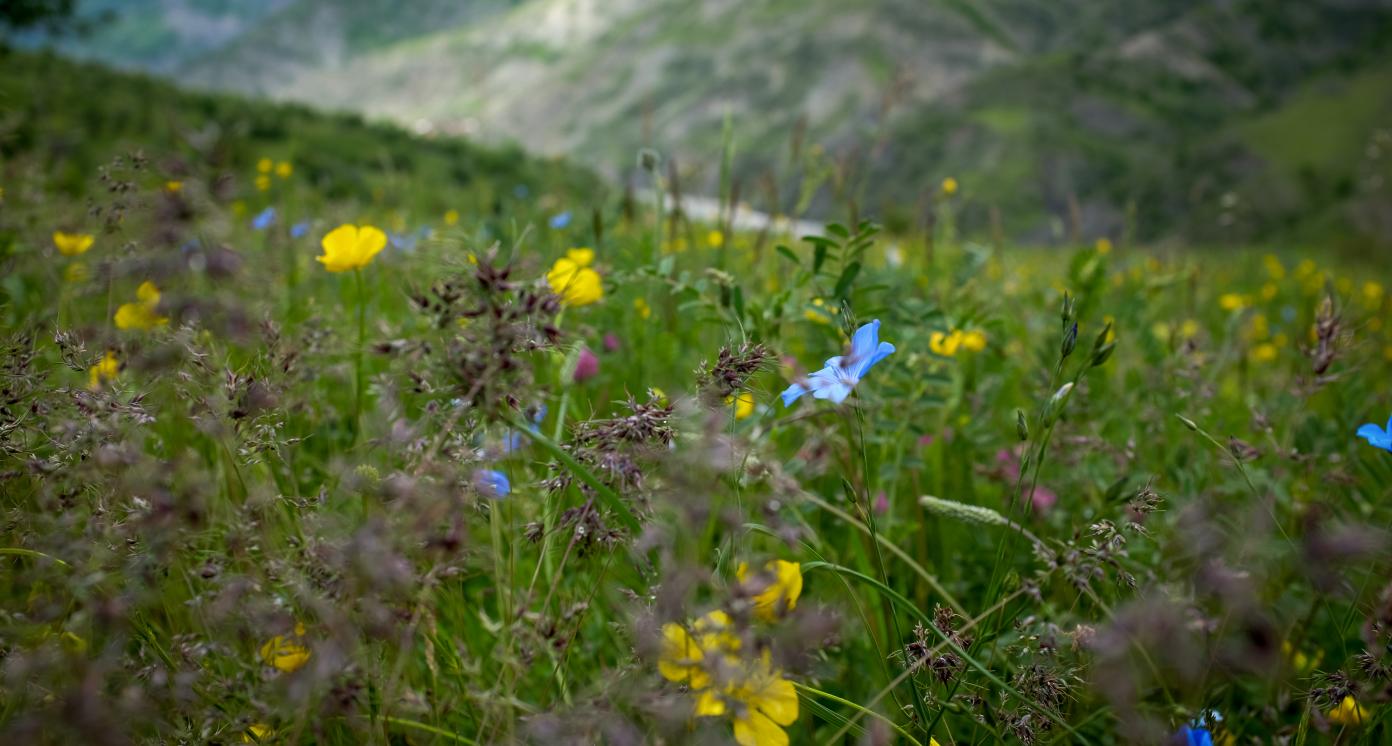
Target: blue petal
<point>1376,436</point>
<point>492,482</point>
<point>866,339</point>
<point>881,352</point>
<point>792,394</point>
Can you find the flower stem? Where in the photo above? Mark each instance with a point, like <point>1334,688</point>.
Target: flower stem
<point>358,356</point>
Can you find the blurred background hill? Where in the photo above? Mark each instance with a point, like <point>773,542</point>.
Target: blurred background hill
<point>1246,120</point>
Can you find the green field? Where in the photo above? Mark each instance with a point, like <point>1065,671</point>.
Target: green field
<point>525,474</point>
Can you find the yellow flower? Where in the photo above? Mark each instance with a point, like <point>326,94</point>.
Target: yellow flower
<point>1189,329</point>
<point>1234,301</point>
<point>263,182</point>
<point>641,306</point>
<point>949,186</point>
<point>105,370</point>
<point>76,272</point>
<point>716,239</point>
<point>257,733</point>
<point>682,653</point>
<point>778,589</point>
<point>821,313</point>
<point>286,652</point>
<point>1349,712</point>
<point>572,279</point>
<point>72,244</point>
<point>451,217</point>
<point>944,343</point>
<point>675,246</point>
<point>173,187</point>
<point>1104,246</point>
<point>1299,661</point>
<point>974,340</point>
<point>1161,331</point>
<point>762,700</point>
<point>141,314</point>
<point>284,169</point>
<point>1274,267</point>
<point>743,403</point>
<point>1372,295</point>
<point>1269,291</point>
<point>351,247</point>
<point>1264,353</point>
<point>264,166</point>
<point>1259,327</point>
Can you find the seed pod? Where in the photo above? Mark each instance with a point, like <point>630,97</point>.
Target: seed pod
<point>1021,426</point>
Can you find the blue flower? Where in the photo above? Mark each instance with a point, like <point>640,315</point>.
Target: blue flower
<point>492,483</point>
<point>1196,735</point>
<point>403,242</point>
<point>521,191</point>
<point>1377,436</point>
<point>264,219</point>
<point>560,220</point>
<point>513,439</point>
<point>298,230</point>
<point>842,373</point>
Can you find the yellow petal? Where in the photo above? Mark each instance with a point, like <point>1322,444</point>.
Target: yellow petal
<point>709,704</point>
<point>148,293</point>
<point>756,730</point>
<point>581,256</point>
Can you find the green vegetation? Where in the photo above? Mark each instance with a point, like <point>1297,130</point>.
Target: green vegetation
<point>518,469</point>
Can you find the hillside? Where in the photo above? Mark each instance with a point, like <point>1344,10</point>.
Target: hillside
<point>64,120</point>
<point>1036,109</point>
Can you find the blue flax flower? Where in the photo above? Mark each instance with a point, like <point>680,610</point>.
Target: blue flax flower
<point>843,372</point>
<point>1377,436</point>
<point>264,219</point>
<point>492,483</point>
<point>298,230</point>
<point>560,220</point>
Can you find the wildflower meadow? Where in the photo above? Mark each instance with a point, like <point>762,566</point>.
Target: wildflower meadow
<point>312,431</point>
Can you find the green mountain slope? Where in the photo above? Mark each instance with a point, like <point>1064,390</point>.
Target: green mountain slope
<point>1077,117</point>
<point>61,121</point>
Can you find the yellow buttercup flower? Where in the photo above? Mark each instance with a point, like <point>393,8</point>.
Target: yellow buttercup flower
<point>780,595</point>
<point>286,652</point>
<point>72,244</point>
<point>949,186</point>
<point>257,733</point>
<point>1264,353</point>
<point>743,403</point>
<point>1299,661</point>
<point>572,279</point>
<point>451,217</point>
<point>351,247</point>
<point>141,314</point>
<point>263,182</point>
<point>682,655</point>
<point>1349,712</point>
<point>1372,295</point>
<point>1234,301</point>
<point>105,370</point>
<point>283,169</point>
<point>641,306</point>
<point>1104,246</point>
<point>762,701</point>
<point>173,186</point>
<point>716,239</point>
<point>1189,329</point>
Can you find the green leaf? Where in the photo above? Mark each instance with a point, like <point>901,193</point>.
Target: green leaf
<point>787,253</point>
<point>848,275</point>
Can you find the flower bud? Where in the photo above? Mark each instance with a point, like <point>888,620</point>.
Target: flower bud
<point>1021,426</point>
<point>1070,340</point>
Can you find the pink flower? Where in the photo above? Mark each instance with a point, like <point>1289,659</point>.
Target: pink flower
<point>611,342</point>
<point>587,366</point>
<point>881,503</point>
